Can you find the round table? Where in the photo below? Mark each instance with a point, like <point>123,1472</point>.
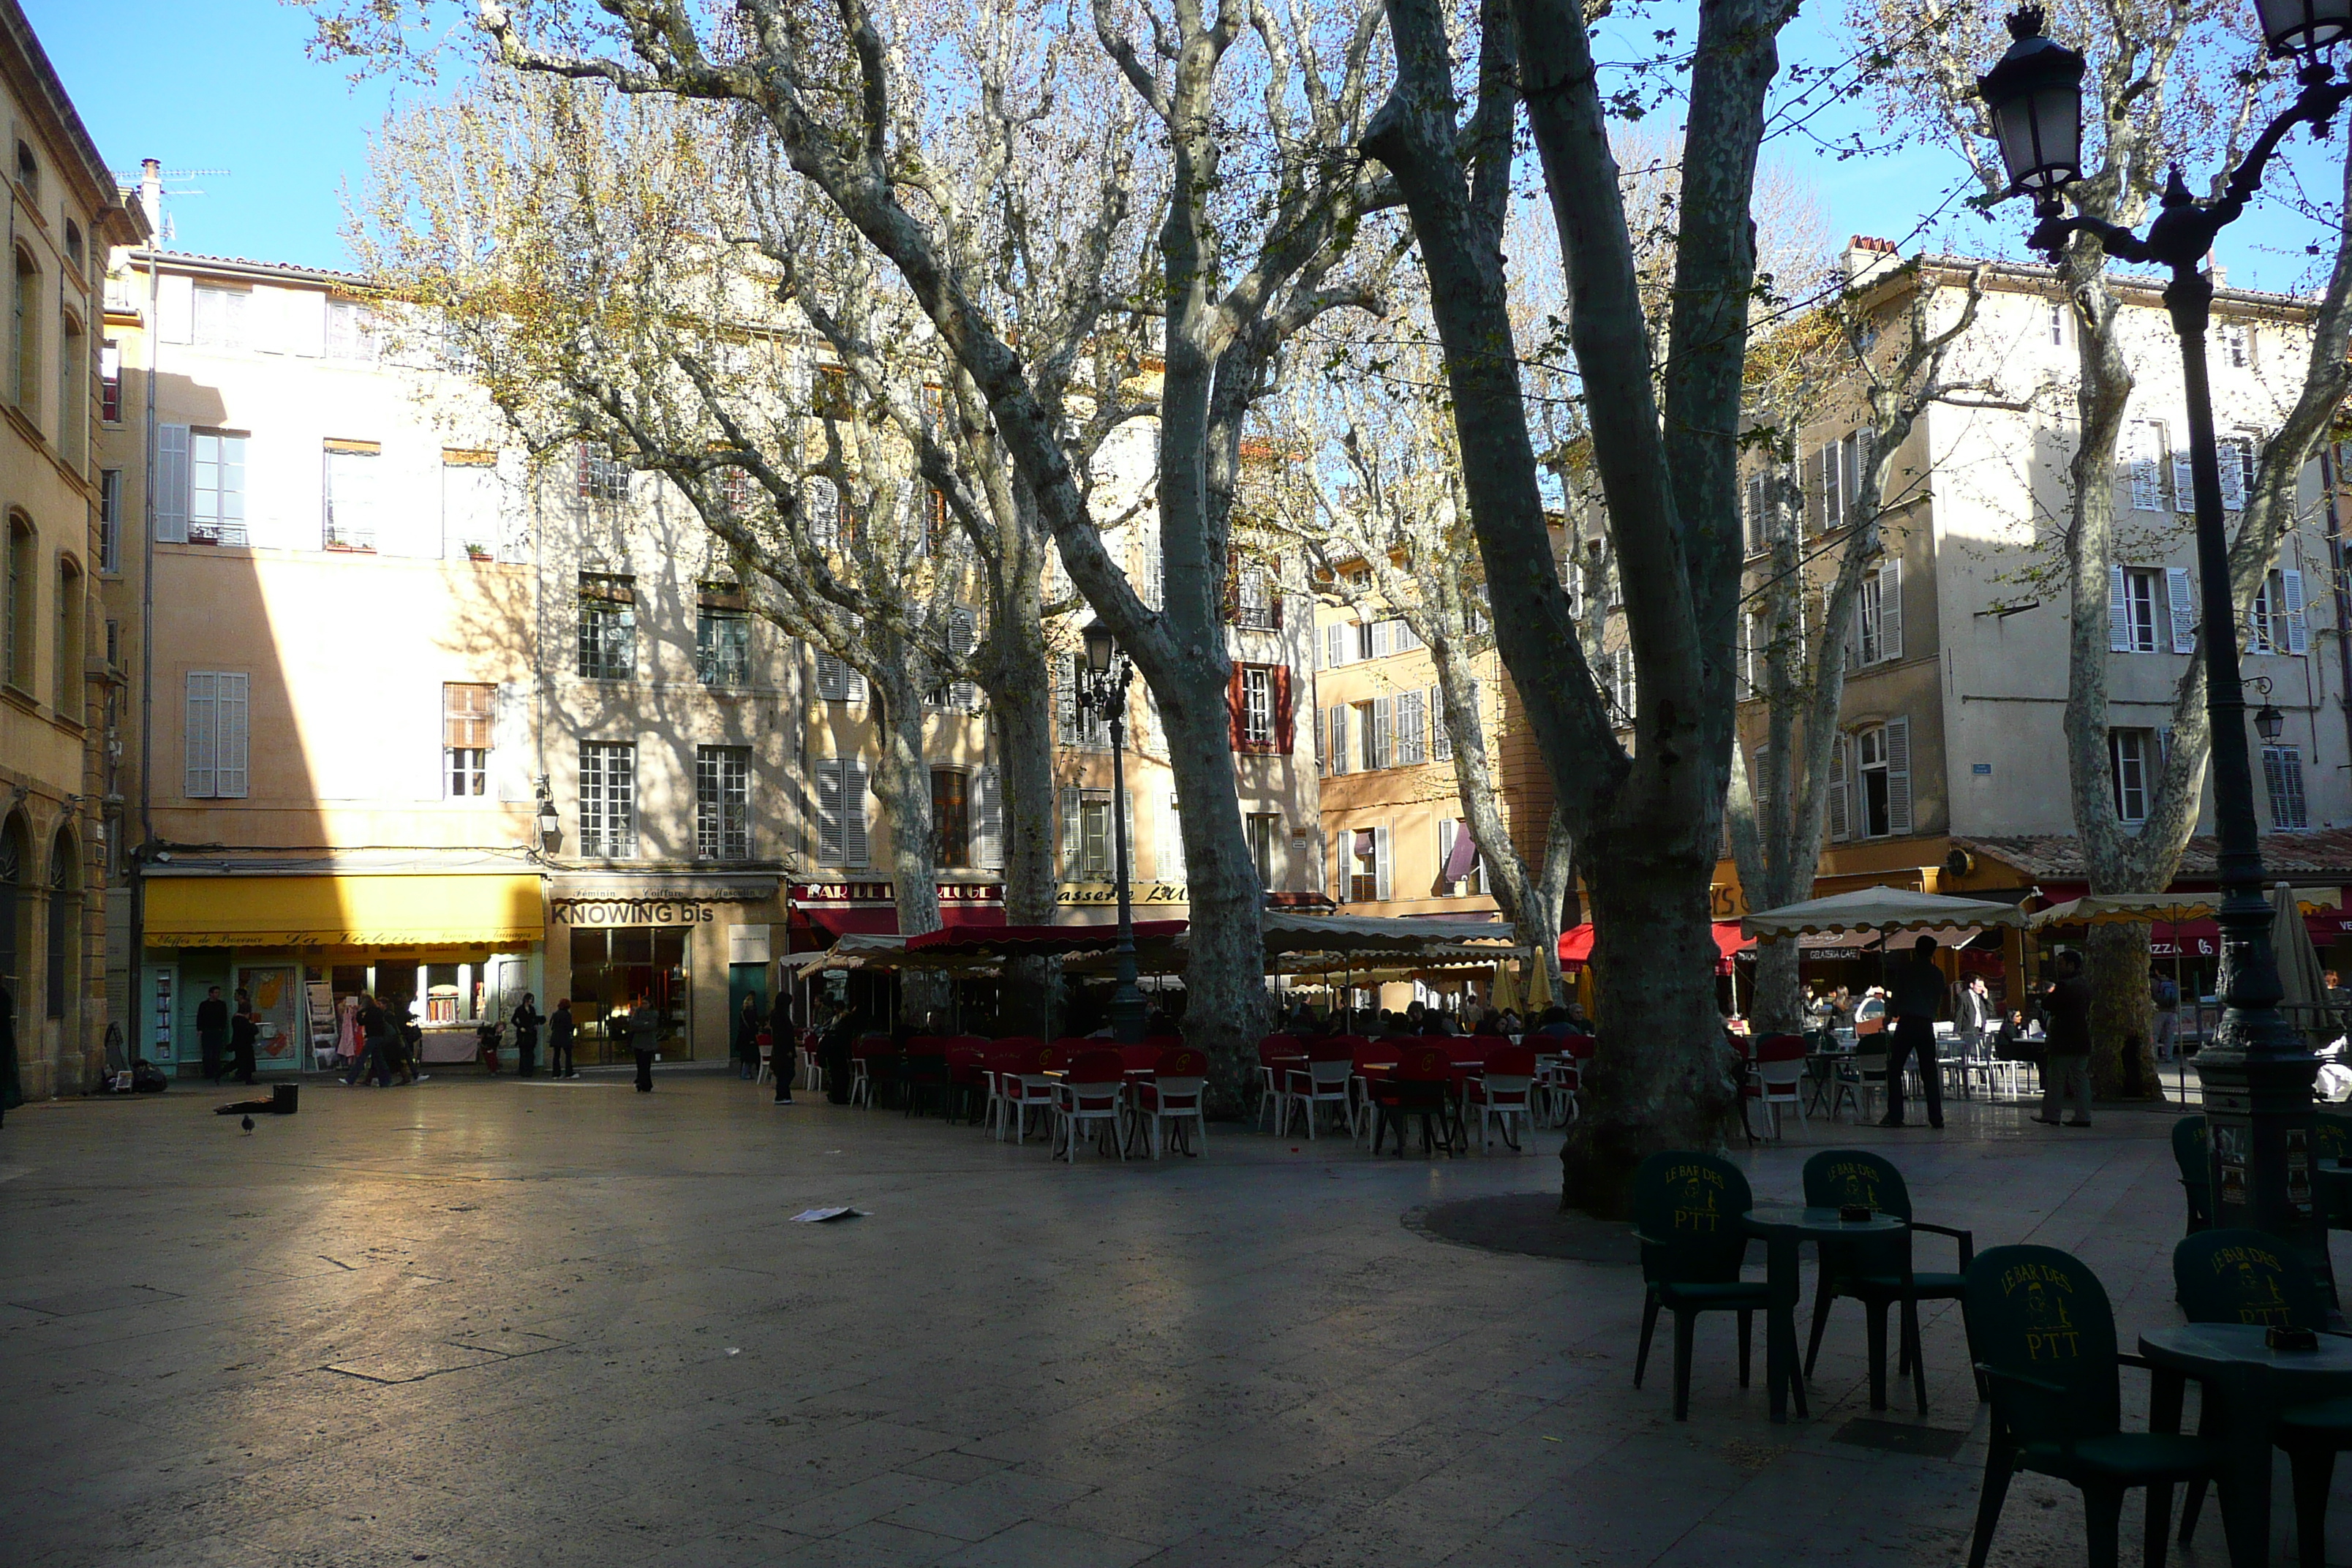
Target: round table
<point>2246,1383</point>
<point>1783,1226</point>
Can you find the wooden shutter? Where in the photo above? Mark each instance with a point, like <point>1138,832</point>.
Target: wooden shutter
<point>1234,699</point>
<point>1071,801</point>
<point>1833,486</point>
<point>963,695</point>
<point>230,744</point>
<point>1759,786</point>
<point>852,812</point>
<point>1384,746</point>
<point>1890,610</point>
<point>197,748</point>
<point>2184,475</point>
<point>1286,734</point>
<point>828,812</point>
<point>1898,778</point>
<point>2146,455</point>
<point>510,743</point>
<point>2118,611</point>
<point>1841,821</point>
<point>1383,857</point>
<point>1335,751</point>
<point>2233,453</point>
<point>172,484</point>
<point>987,820</point>
<point>1441,739</point>
<point>2182,598</point>
<point>1171,843</point>
<point>2298,625</point>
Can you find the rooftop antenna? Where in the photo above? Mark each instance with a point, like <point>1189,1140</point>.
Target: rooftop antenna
<point>149,182</point>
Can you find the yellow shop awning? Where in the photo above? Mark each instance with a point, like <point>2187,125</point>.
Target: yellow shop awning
<point>489,912</point>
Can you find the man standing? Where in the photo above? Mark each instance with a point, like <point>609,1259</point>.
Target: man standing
<point>212,1030</point>
<point>645,1034</point>
<point>1915,996</point>
<point>244,1028</point>
<point>2066,1060</point>
<point>560,1026</point>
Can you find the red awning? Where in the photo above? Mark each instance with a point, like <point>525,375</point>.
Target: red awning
<point>1037,940</point>
<point>1576,942</point>
<point>885,922</point>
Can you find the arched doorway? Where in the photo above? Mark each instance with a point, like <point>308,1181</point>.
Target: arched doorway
<point>63,966</point>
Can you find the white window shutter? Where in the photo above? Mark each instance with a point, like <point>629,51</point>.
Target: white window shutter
<point>1832,487</point>
<point>1338,725</point>
<point>2184,475</point>
<point>2232,456</point>
<point>510,743</point>
<point>1759,786</point>
<point>1384,746</point>
<point>1841,823</point>
<point>988,819</point>
<point>852,812</point>
<point>2118,611</point>
<point>1890,610</point>
<point>2298,625</point>
<point>231,744</point>
<point>1382,859</point>
<point>1331,645</point>
<point>1898,777</point>
<point>1071,803</point>
<point>197,749</point>
<point>828,812</point>
<point>2182,597</point>
<point>1441,739</point>
<point>2147,484</point>
<point>1171,843</point>
<point>964,695</point>
<point>832,678</point>
<point>172,484</point>
<point>176,308</point>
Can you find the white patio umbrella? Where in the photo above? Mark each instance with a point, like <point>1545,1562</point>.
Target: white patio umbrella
<point>1880,909</point>
<point>2304,988</point>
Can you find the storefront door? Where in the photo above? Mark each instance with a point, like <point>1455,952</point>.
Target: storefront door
<point>278,1006</point>
<point>611,968</point>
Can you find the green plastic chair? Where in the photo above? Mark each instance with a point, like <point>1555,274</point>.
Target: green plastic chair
<point>1876,1270</point>
<point>2196,1180</point>
<point>2246,1277</point>
<point>1688,1208</point>
<point>2044,1336</point>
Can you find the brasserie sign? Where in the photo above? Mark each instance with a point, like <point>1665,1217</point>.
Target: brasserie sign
<point>1089,893</point>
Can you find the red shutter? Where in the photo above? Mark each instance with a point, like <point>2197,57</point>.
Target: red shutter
<point>1284,736</point>
<point>1233,707</point>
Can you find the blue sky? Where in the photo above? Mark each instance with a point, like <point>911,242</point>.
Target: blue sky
<point>225,84</point>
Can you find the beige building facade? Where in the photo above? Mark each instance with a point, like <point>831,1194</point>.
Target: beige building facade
<point>60,692</point>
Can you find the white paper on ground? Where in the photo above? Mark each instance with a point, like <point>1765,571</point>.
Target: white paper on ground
<point>818,1216</point>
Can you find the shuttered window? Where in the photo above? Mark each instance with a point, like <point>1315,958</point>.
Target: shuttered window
<point>1883,779</point>
<point>216,746</point>
<point>841,784</point>
<point>468,716</point>
<point>2282,777</point>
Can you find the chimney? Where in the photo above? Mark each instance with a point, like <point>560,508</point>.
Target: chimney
<point>1865,257</point>
<point>151,196</point>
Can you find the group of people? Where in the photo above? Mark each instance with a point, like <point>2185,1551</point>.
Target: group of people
<point>1917,995</point>
<point>228,1039</point>
<point>379,1038</point>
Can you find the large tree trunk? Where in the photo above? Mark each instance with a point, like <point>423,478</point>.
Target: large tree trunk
<point>1023,710</point>
<point>1649,919</point>
<point>1224,980</point>
<point>902,782</point>
<point>2123,1013</point>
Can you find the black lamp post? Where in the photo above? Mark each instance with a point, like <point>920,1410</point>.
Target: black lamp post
<point>2256,1071</point>
<point>1105,694</point>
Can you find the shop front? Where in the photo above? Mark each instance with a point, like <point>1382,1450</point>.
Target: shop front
<point>688,947</point>
<point>300,950</point>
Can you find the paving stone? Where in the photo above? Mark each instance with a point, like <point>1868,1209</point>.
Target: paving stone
<point>577,1328</point>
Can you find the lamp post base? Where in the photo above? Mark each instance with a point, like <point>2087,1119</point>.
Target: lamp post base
<point>1128,1015</point>
<point>2258,1126</point>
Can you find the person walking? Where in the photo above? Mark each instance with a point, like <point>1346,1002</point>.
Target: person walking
<point>2165,996</point>
<point>645,1034</point>
<point>526,1019</point>
<point>832,1055</point>
<point>560,1027</point>
<point>747,1037</point>
<point>2066,1055</point>
<point>243,1030</point>
<point>374,1061</point>
<point>1916,999</point>
<point>212,1031</point>
<point>783,1050</point>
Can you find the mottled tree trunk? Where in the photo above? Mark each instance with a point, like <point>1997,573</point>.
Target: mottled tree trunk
<point>2123,1013</point>
<point>1023,713</point>
<point>1224,980</point>
<point>902,783</point>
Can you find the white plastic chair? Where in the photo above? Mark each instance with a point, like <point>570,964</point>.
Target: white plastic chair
<point>767,1060</point>
<point>1496,1097</point>
<point>1322,1083</point>
<point>1778,1084</point>
<point>1079,1105</point>
<point>1159,1101</point>
<point>1020,1093</point>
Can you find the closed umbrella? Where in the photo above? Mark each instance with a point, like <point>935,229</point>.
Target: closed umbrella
<point>1539,988</point>
<point>1505,995</point>
<point>2303,987</point>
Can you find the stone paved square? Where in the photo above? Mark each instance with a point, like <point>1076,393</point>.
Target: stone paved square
<point>491,1322</point>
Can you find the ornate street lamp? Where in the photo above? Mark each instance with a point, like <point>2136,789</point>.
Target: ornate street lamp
<point>1104,694</point>
<point>2256,1071</point>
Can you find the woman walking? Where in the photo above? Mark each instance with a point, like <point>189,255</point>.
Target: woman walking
<point>747,1037</point>
<point>526,1020</point>
<point>645,1034</point>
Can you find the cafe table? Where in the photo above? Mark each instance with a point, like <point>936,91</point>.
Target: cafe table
<point>2246,1383</point>
<point>1783,1228</point>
